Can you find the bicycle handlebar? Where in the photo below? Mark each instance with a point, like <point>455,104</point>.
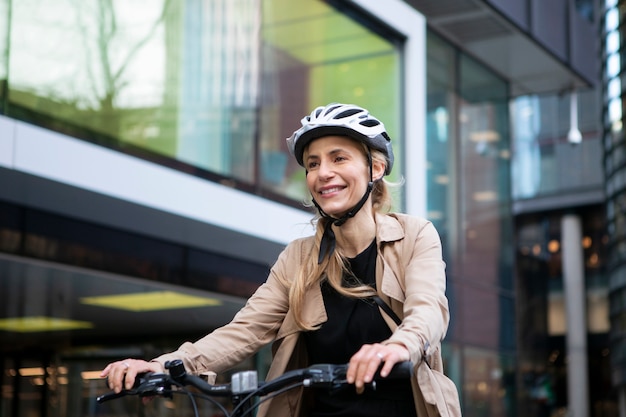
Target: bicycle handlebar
<point>245,383</point>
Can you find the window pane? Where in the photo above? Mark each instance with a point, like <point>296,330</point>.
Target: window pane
<point>314,55</point>
<point>541,152</point>
<point>4,51</point>
<point>484,159</point>
<point>175,78</point>
<point>210,86</point>
<point>440,135</point>
<point>542,318</point>
<point>489,383</point>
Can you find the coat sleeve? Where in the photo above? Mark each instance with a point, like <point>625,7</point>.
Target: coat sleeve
<point>425,308</point>
<point>254,326</point>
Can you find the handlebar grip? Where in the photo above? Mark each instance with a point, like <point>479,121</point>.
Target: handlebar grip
<point>401,370</point>
<point>140,378</point>
<point>146,384</point>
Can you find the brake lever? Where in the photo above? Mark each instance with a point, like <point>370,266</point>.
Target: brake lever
<point>329,376</point>
<point>333,377</point>
<point>146,385</point>
<point>111,396</point>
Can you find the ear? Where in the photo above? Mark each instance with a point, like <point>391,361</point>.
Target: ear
<point>378,170</point>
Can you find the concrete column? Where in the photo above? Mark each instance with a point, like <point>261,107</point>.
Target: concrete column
<point>575,306</point>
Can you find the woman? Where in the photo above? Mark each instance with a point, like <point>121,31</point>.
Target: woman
<point>320,308</point>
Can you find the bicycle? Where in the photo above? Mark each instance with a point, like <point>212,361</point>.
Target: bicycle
<point>246,392</point>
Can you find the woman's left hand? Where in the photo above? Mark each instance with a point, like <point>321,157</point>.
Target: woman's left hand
<point>364,364</point>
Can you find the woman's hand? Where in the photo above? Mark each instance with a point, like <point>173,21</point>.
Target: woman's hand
<point>364,364</point>
<point>121,375</point>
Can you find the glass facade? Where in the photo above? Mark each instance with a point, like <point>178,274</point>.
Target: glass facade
<point>4,50</point>
<point>208,88</point>
<point>614,144</point>
<point>469,202</point>
<point>544,162</point>
<point>313,55</point>
<point>542,350</point>
<point>211,88</point>
<point>40,235</point>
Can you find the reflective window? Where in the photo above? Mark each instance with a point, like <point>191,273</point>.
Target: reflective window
<point>468,200</point>
<point>313,55</point>
<point>468,164</point>
<point>62,240</point>
<point>484,192</point>
<point>440,125</point>
<point>544,162</point>
<point>4,46</point>
<point>542,318</point>
<point>585,8</point>
<point>169,77</point>
<point>489,383</point>
<point>212,88</point>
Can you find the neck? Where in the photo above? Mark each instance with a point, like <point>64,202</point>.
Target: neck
<point>356,234</point>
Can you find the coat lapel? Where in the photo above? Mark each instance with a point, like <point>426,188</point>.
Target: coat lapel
<point>388,280</point>
<point>313,313</point>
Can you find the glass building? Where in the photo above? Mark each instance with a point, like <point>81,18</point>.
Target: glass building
<point>146,189</point>
<point>614,145</point>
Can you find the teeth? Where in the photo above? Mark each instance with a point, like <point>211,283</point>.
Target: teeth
<point>330,190</point>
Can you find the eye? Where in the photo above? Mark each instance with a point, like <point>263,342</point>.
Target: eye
<point>311,165</point>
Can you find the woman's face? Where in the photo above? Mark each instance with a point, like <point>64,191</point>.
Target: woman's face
<point>337,173</point>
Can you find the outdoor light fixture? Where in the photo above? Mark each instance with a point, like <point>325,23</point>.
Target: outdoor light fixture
<point>41,324</point>
<point>574,136</point>
<point>150,301</point>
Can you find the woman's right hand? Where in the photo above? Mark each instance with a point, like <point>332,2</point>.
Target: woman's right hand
<point>121,374</point>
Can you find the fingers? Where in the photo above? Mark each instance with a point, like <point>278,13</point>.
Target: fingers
<point>364,364</point>
<point>131,373</point>
<point>121,375</point>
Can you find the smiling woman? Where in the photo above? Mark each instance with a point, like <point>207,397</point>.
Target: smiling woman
<point>186,106</point>
<point>367,289</point>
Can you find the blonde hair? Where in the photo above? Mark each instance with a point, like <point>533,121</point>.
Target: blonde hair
<point>334,267</point>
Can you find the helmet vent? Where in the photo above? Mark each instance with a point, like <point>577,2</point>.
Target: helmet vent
<point>347,113</point>
<point>370,123</point>
<point>329,110</point>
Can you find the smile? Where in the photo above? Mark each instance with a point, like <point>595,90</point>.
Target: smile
<point>330,190</point>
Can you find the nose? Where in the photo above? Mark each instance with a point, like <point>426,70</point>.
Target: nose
<point>325,171</point>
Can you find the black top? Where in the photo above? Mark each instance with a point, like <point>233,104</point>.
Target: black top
<point>351,323</point>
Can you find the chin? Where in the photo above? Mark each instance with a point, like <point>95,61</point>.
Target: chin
<point>334,213</point>
<point>336,210</point>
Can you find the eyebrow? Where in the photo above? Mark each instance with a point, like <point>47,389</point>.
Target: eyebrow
<point>331,152</point>
<point>337,150</point>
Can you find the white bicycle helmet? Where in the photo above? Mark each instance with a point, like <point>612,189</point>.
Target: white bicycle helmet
<point>344,120</point>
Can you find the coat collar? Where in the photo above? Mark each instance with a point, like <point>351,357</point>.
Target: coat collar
<point>388,228</point>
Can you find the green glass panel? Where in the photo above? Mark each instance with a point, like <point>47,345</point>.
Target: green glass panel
<point>4,50</point>
<point>93,69</point>
<point>315,55</point>
<point>214,85</point>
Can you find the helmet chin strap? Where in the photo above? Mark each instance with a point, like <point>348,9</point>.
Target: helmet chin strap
<point>328,242</point>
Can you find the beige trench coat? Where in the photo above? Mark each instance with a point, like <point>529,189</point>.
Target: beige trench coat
<point>410,277</point>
